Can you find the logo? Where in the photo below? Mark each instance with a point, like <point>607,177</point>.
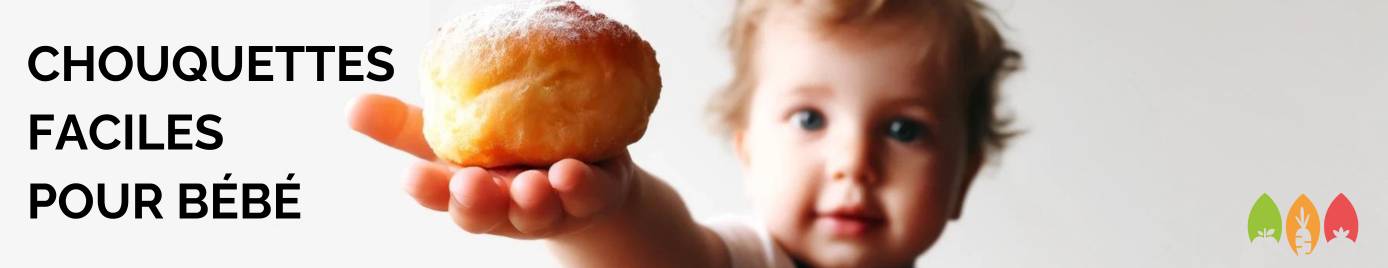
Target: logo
<point>1304,227</point>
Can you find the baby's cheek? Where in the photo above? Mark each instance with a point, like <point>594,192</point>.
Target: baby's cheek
<point>916,200</point>
<point>782,168</point>
<point>788,189</point>
<point>783,171</point>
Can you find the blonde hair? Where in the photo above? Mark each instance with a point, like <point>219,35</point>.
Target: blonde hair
<point>969,49</point>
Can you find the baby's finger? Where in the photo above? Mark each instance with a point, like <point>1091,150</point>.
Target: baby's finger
<point>534,208</point>
<point>390,121</point>
<point>477,205</point>
<point>581,191</point>
<point>427,182</point>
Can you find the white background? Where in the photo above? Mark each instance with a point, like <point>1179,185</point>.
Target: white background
<point>1152,126</point>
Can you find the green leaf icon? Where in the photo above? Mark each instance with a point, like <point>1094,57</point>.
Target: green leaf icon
<point>1265,220</point>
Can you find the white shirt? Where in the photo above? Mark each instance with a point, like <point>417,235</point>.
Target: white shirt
<point>749,244</point>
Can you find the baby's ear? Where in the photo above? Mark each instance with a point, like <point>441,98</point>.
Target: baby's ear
<point>739,138</point>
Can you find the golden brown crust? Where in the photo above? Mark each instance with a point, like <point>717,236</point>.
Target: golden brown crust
<point>532,84</point>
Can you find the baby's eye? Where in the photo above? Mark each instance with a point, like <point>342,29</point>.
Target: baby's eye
<point>904,130</point>
<point>808,119</point>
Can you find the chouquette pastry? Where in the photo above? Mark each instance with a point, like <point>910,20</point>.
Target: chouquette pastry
<point>532,83</point>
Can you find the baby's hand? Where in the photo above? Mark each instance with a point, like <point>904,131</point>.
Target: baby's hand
<point>517,203</point>
<point>532,203</point>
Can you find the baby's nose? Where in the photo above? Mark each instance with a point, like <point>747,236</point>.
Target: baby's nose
<point>851,159</point>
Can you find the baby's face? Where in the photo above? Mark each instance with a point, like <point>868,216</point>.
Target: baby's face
<point>852,157</point>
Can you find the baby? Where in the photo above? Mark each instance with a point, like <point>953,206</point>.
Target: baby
<point>859,125</point>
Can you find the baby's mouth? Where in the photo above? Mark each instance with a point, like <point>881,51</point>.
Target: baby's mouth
<point>848,221</point>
